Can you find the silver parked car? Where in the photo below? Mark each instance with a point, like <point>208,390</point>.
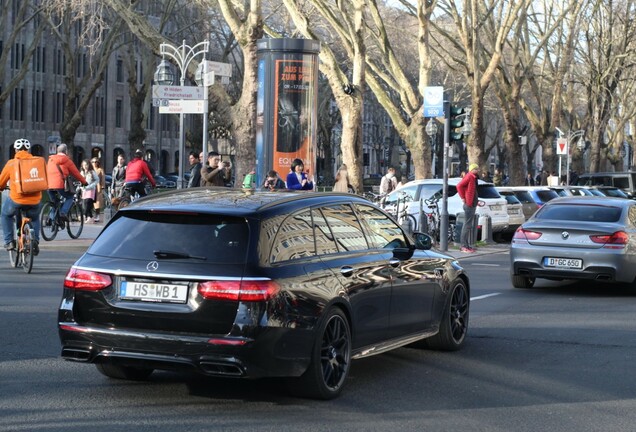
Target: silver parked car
<point>591,238</point>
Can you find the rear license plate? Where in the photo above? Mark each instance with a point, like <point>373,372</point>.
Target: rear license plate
<point>153,292</point>
<point>495,207</point>
<point>566,263</point>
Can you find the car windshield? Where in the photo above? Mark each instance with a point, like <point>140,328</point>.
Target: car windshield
<point>153,235</point>
<point>579,212</point>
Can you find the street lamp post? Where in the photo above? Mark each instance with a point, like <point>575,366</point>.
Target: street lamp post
<point>431,131</point>
<point>182,56</point>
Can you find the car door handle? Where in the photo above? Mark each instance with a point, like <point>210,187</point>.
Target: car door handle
<point>394,262</point>
<point>346,271</point>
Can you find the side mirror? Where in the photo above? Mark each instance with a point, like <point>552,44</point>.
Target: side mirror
<point>423,241</point>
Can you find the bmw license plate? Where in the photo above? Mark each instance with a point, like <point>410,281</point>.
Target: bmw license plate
<point>565,263</point>
<point>153,292</point>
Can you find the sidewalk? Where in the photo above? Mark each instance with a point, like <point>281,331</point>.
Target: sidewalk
<point>482,249</point>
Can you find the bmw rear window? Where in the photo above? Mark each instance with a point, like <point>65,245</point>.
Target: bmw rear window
<point>579,212</point>
<point>203,237</point>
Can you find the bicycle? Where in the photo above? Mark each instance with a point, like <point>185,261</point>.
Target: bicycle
<point>22,254</point>
<point>404,218</point>
<point>51,221</point>
<point>433,221</point>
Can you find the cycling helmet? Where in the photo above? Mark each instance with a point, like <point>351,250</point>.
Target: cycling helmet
<point>21,144</point>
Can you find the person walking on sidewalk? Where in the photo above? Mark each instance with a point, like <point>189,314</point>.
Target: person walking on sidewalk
<point>467,190</point>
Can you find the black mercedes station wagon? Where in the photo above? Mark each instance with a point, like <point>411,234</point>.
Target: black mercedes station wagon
<point>236,283</point>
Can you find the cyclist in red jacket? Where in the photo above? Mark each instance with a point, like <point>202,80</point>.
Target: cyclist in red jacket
<point>135,171</point>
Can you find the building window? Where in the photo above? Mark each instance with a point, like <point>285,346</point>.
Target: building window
<point>118,112</point>
<point>120,71</point>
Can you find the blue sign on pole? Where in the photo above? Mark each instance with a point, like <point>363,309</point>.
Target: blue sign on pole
<point>434,101</point>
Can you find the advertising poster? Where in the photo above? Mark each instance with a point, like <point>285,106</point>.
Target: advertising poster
<point>294,108</point>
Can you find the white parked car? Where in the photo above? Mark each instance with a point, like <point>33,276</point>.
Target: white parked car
<point>415,193</point>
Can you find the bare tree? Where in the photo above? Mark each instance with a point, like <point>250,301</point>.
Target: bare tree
<point>25,18</point>
<point>481,31</point>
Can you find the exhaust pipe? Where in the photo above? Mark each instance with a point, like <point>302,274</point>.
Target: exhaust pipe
<point>221,369</point>
<point>76,354</point>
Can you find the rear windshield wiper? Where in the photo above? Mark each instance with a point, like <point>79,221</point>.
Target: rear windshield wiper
<point>166,254</point>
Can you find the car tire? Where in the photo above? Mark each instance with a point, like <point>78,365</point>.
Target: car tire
<point>453,326</point>
<point>330,360</point>
<point>519,281</point>
<point>123,372</point>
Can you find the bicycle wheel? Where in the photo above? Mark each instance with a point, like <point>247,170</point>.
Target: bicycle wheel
<point>124,202</point>
<point>75,223</point>
<point>27,247</point>
<point>48,226</point>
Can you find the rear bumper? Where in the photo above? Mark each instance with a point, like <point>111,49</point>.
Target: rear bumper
<point>276,352</point>
<point>606,274</point>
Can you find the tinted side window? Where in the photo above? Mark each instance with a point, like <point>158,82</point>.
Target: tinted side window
<point>621,182</point>
<point>345,227</point>
<point>294,239</point>
<point>383,232</point>
<point>325,240</point>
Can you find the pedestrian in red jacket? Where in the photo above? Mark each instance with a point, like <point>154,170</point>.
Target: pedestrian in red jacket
<point>467,190</point>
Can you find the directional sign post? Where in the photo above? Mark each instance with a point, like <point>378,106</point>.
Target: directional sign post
<point>434,101</point>
<point>183,107</point>
<point>562,149</point>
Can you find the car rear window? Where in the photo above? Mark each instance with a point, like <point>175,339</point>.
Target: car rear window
<point>140,235</point>
<point>546,195</point>
<point>487,191</point>
<point>510,199</point>
<point>579,212</point>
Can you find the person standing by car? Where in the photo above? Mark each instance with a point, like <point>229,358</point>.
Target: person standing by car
<point>388,183</point>
<point>118,177</point>
<point>195,170</point>
<point>529,180</point>
<point>215,173</point>
<point>58,168</point>
<point>467,190</point>
<point>273,182</point>
<point>135,172</point>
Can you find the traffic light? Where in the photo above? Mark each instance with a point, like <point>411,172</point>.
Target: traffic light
<point>457,118</point>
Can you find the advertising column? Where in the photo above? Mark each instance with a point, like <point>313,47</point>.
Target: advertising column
<point>287,103</point>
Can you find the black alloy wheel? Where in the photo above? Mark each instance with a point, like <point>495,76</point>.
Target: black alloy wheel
<point>330,360</point>
<point>519,281</point>
<point>454,324</point>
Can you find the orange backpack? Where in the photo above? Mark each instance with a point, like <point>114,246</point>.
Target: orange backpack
<point>30,175</point>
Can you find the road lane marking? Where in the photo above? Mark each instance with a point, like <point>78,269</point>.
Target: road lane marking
<point>484,296</point>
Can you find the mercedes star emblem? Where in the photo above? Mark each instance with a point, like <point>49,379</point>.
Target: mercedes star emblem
<point>152,266</point>
<point>565,235</point>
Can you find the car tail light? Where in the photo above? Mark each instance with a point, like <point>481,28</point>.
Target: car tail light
<point>618,240</point>
<point>238,290</point>
<point>524,234</point>
<point>86,280</point>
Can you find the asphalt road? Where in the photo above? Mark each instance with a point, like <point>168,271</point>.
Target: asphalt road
<point>554,358</point>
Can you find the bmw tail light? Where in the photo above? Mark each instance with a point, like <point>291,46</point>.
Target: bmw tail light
<point>524,234</point>
<point>238,290</point>
<point>86,280</point>
<point>618,240</point>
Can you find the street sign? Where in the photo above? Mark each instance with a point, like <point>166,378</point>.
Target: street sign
<point>177,92</point>
<point>220,69</point>
<point>183,107</point>
<point>562,146</point>
<point>434,101</point>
